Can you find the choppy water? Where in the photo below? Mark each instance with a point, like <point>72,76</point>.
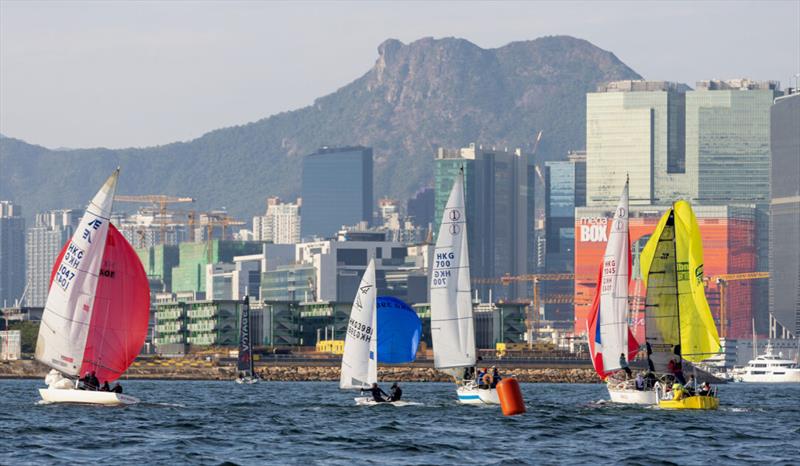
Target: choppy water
<point>315,423</point>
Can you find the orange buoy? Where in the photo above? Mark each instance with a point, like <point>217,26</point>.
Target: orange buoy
<point>510,397</point>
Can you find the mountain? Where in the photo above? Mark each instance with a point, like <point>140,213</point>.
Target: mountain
<point>446,92</point>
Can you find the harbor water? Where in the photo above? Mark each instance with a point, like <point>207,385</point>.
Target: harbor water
<point>207,422</point>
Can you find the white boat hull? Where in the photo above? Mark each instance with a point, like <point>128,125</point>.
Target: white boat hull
<point>55,395</point>
<point>632,396</point>
<point>247,380</point>
<point>368,401</point>
<point>789,376</point>
<point>471,395</point>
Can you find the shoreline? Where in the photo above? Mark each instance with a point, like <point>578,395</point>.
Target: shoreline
<point>318,371</point>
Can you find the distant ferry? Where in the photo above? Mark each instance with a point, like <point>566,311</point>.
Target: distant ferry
<point>769,368</point>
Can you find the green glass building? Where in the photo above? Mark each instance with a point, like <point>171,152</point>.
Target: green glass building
<point>190,273</point>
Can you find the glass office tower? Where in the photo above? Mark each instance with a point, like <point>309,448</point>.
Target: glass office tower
<point>336,191</point>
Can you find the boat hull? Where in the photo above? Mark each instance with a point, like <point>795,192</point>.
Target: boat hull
<point>247,380</point>
<point>691,402</point>
<point>53,395</point>
<point>632,396</point>
<point>368,401</point>
<point>470,395</point>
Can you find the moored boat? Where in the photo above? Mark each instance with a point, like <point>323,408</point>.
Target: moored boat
<point>770,368</point>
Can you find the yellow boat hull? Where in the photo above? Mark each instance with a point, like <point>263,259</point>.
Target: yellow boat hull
<point>691,402</point>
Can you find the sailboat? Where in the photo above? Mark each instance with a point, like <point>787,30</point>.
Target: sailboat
<point>609,334</point>
<point>245,360</point>
<point>97,311</point>
<point>452,325</point>
<point>360,357</point>
<point>679,324</point>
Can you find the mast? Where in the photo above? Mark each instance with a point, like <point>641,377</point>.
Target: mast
<point>677,283</point>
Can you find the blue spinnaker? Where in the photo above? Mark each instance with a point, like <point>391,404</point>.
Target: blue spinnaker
<point>399,331</point>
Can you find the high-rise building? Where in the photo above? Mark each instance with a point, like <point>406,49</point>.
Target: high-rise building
<point>498,210</point>
<point>784,265</point>
<point>565,189</point>
<point>43,243</point>
<point>336,190</point>
<point>709,146</point>
<point>12,253</point>
<point>280,224</point>
<point>635,128</point>
<point>420,207</point>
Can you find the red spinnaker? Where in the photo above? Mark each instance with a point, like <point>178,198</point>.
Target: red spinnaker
<point>121,311</point>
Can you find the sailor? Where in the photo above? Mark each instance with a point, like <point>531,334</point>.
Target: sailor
<point>691,385</point>
<point>639,382</point>
<point>479,378</point>
<point>377,393</point>
<point>486,379</point>
<point>705,389</point>
<point>623,364</point>
<point>495,377</point>
<point>677,391</point>
<point>675,368</point>
<point>650,364</point>
<point>90,381</point>
<point>117,388</point>
<point>105,387</point>
<point>396,392</point>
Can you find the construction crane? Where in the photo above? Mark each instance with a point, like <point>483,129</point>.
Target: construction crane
<point>216,219</point>
<point>159,202</point>
<point>532,317</point>
<point>722,282</point>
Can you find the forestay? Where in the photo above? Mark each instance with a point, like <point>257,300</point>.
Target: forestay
<point>360,359</point>
<point>452,327</point>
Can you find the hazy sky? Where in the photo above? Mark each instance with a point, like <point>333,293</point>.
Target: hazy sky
<point>117,74</point>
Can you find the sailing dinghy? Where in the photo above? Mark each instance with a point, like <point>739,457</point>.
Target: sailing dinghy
<point>609,334</point>
<point>679,322</point>
<point>244,363</point>
<point>360,357</point>
<point>452,325</point>
<point>97,311</point>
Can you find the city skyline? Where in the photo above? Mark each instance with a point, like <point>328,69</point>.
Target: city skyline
<point>108,82</point>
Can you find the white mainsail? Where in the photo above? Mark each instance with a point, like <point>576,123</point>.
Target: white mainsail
<point>614,289</point>
<point>452,326</point>
<point>360,358</point>
<point>68,310</point>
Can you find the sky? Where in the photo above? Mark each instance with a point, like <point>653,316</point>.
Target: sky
<point>131,74</point>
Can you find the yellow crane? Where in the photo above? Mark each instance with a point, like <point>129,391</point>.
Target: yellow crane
<point>159,202</point>
<point>722,282</point>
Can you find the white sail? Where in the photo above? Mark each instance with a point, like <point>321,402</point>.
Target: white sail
<point>68,310</point>
<point>360,358</point>
<point>452,326</point>
<point>614,289</point>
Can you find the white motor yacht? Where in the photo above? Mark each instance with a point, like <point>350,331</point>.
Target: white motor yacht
<point>770,368</point>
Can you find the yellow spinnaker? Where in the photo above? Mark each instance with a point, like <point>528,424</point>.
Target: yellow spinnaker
<point>698,333</point>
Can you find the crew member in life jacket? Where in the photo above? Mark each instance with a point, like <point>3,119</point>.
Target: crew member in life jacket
<point>396,392</point>
<point>377,394</point>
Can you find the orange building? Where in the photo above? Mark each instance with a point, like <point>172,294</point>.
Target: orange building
<point>729,246</point>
